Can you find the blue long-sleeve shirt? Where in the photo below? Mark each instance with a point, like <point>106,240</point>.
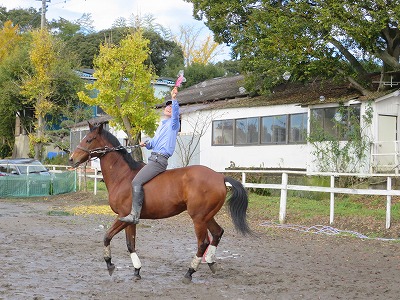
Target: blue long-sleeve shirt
<point>164,140</point>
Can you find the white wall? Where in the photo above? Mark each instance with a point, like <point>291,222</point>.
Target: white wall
<point>265,156</point>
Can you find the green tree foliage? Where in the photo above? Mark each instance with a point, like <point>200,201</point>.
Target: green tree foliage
<point>197,72</point>
<point>165,55</point>
<point>123,85</point>
<point>231,67</point>
<point>326,38</point>
<point>26,19</point>
<point>64,29</point>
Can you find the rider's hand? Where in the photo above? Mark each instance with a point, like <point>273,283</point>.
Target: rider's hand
<point>174,92</point>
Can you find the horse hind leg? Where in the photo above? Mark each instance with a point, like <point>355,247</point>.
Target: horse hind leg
<point>202,244</point>
<point>216,232</point>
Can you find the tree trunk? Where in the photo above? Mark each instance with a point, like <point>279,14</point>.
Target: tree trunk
<point>39,135</point>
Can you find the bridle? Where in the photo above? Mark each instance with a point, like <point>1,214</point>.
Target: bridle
<point>101,151</point>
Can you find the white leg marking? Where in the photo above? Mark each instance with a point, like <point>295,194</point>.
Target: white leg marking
<point>135,260</point>
<point>195,263</point>
<point>210,255</point>
<point>107,252</point>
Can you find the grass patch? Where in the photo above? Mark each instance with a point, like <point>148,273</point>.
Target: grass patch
<point>360,213</point>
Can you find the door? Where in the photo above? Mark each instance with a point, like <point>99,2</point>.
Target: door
<point>386,147</point>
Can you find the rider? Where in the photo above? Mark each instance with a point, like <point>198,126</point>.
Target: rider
<point>163,146</point>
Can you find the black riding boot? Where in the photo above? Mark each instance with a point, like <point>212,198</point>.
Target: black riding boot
<point>137,202</point>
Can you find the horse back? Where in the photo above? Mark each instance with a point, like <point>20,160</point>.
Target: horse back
<point>194,188</point>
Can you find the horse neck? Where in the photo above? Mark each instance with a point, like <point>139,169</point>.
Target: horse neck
<point>112,164</point>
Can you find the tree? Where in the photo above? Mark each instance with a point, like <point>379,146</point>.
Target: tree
<point>9,38</point>
<point>51,68</point>
<point>123,85</point>
<point>26,19</point>
<point>194,50</point>
<point>64,29</point>
<point>326,38</point>
<point>197,72</point>
<point>12,63</point>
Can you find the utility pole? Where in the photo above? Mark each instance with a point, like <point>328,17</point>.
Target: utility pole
<point>43,18</point>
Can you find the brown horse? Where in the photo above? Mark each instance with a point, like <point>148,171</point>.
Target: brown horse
<point>197,189</point>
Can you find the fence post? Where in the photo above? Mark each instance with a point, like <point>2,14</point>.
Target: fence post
<point>79,178</point>
<point>388,202</point>
<point>332,202</point>
<point>95,181</point>
<point>75,178</point>
<point>282,206</point>
<point>243,178</point>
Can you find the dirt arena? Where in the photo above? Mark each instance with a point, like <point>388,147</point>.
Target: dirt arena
<point>51,256</point>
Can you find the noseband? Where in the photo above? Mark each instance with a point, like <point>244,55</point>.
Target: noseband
<point>101,151</point>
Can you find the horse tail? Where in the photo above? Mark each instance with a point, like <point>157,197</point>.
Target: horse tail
<point>237,203</point>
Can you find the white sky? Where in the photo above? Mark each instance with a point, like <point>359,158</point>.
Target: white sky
<point>169,13</point>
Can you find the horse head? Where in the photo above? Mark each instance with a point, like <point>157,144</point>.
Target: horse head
<point>91,146</point>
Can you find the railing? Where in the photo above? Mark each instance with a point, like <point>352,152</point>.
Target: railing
<point>284,187</point>
<point>386,160</point>
<point>93,173</point>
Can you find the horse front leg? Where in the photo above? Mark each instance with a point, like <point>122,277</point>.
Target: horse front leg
<point>130,233</point>
<point>202,244</point>
<point>116,227</point>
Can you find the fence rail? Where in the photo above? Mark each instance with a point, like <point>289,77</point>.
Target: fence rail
<point>284,187</point>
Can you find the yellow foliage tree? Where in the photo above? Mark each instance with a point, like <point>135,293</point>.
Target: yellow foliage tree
<point>37,86</point>
<point>123,83</point>
<point>194,49</point>
<point>9,37</point>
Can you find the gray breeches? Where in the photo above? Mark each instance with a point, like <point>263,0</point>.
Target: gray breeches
<point>156,165</point>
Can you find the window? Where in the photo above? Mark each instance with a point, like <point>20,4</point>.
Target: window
<point>335,122</point>
<point>222,132</point>
<point>246,131</point>
<point>273,129</point>
<point>297,128</point>
<point>268,130</point>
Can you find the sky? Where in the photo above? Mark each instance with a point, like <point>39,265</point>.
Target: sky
<point>170,14</point>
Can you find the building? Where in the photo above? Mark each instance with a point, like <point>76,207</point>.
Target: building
<point>223,127</point>
<point>235,130</point>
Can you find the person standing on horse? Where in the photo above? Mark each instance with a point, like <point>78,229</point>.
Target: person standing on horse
<point>163,146</point>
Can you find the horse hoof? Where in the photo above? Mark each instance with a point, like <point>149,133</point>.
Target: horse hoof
<point>187,280</point>
<point>213,267</point>
<point>111,269</point>
<point>136,275</point>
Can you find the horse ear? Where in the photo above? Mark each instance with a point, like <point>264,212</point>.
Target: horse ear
<point>101,127</point>
<point>90,126</point>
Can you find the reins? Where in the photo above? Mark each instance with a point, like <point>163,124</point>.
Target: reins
<point>103,150</point>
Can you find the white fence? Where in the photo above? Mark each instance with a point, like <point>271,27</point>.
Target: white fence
<point>284,187</point>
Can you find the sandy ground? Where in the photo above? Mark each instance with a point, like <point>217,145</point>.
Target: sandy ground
<point>61,257</point>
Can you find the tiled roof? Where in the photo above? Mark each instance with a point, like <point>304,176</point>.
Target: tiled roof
<point>216,89</point>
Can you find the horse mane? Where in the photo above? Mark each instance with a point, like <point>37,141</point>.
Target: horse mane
<point>133,164</point>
